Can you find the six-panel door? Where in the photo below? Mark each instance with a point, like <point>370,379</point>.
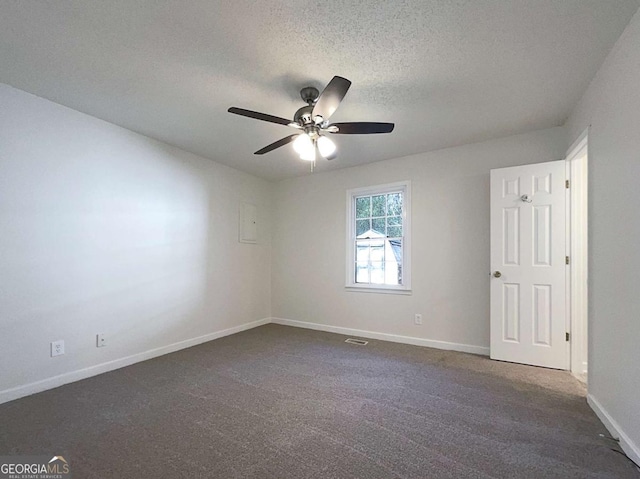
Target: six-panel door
<point>528,277</point>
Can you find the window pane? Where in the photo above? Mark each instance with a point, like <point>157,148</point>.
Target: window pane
<point>362,226</point>
<point>395,245</point>
<point>394,204</point>
<point>363,207</point>
<point>377,224</point>
<point>376,253</point>
<point>394,231</point>
<point>393,273</point>
<point>378,205</point>
<point>362,253</point>
<point>377,273</point>
<point>362,272</point>
<point>394,221</point>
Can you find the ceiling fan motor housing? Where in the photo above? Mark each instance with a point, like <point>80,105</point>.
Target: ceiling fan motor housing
<point>303,115</point>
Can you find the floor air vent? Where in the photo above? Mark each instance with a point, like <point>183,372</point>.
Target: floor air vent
<point>359,342</point>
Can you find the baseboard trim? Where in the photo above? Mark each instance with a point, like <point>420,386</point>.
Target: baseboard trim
<point>429,343</point>
<point>632,450</point>
<point>77,375</point>
<point>73,376</point>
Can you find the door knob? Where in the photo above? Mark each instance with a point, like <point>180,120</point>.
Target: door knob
<point>497,274</point>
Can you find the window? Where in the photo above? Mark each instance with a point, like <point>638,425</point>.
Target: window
<point>378,238</point>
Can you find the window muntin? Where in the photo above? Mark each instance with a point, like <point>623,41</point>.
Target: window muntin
<point>378,224</point>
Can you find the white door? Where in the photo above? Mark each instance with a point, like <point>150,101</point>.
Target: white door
<point>528,277</point>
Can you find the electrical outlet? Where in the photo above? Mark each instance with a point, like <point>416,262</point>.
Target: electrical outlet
<point>418,318</point>
<point>101,340</point>
<point>57,348</point>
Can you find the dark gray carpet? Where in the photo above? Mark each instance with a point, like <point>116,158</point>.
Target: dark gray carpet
<point>280,402</point>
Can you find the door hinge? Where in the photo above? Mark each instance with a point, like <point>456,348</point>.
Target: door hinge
<point>566,183</point>
<point>566,336</point>
<point>566,260</point>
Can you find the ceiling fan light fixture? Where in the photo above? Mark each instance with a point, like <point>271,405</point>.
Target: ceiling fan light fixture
<point>309,155</point>
<point>303,144</point>
<point>326,147</point>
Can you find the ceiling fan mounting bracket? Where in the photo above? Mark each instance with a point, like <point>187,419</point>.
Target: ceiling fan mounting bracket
<point>309,95</point>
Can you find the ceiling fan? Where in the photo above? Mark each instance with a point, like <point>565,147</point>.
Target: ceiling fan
<point>312,121</point>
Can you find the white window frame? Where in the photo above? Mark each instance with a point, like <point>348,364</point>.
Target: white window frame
<point>352,194</point>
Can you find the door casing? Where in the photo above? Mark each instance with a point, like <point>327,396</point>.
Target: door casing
<point>577,167</point>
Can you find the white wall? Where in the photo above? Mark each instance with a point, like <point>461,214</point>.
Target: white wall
<point>611,106</point>
<point>104,230</point>
<point>450,267</point>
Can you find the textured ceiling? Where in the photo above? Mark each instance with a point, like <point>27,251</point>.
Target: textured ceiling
<point>446,72</point>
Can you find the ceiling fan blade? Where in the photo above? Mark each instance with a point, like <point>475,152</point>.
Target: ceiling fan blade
<point>360,128</point>
<point>331,97</point>
<point>259,116</point>
<point>276,144</point>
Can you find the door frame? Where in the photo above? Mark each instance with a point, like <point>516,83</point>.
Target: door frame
<point>577,160</point>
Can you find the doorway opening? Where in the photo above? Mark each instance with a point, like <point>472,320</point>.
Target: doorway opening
<point>539,258</point>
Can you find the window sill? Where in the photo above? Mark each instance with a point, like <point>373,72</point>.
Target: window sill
<point>370,289</point>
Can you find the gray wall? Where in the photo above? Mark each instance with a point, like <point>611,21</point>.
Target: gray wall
<point>450,222</point>
<point>107,231</point>
<point>611,106</point>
